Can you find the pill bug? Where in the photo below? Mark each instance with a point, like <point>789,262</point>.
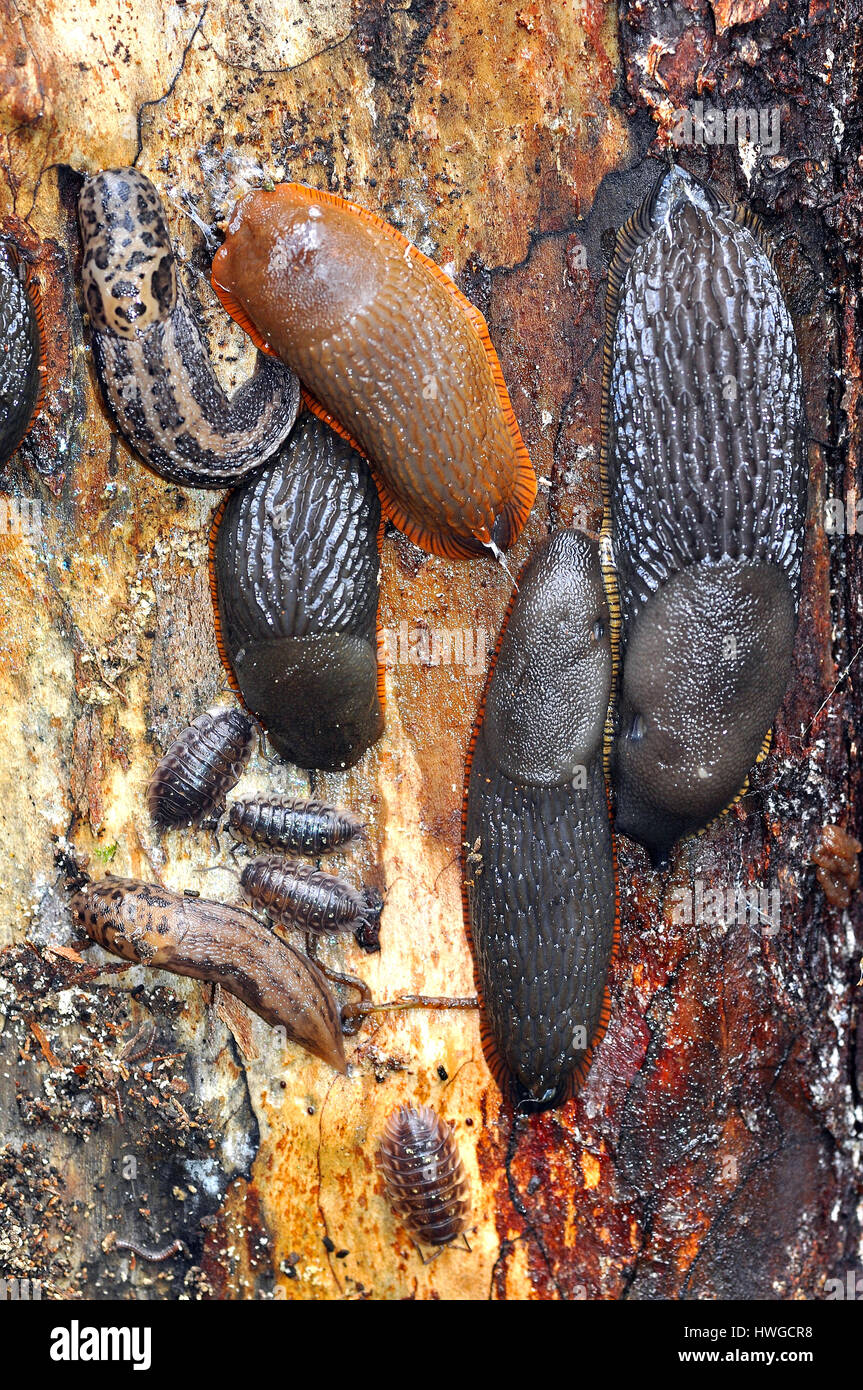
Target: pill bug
<point>299,895</point>
<point>704,481</point>
<point>150,925</point>
<point>155,369</point>
<point>838,866</point>
<point>390,353</point>
<point>22,349</point>
<point>540,877</point>
<point>201,766</point>
<point>288,823</point>
<point>295,574</point>
<point>424,1176</point>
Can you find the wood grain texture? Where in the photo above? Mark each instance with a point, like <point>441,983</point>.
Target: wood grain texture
<point>711,1153</point>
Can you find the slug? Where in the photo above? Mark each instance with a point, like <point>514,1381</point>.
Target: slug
<point>201,766</point>
<point>302,827</point>
<point>297,895</point>
<point>704,480</point>
<point>22,349</point>
<point>295,572</point>
<point>540,872</point>
<point>424,1175</point>
<point>150,925</point>
<point>390,353</point>
<point>155,370</point>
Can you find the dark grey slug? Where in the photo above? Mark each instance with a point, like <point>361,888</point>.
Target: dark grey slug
<point>150,925</point>
<point>153,363</point>
<point>540,875</point>
<point>705,482</point>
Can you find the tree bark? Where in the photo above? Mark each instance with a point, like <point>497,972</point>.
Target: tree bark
<point>714,1152</point>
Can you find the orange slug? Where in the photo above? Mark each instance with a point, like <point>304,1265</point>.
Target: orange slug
<point>391,354</point>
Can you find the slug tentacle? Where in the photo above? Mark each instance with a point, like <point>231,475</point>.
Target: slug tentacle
<point>391,355</point>
<point>154,366</point>
<point>540,874</point>
<point>704,481</point>
<point>150,925</point>
<point>294,569</point>
<point>22,349</point>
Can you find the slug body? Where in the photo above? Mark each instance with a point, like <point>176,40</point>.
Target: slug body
<point>424,1176</point>
<point>391,353</point>
<point>22,350</point>
<point>200,768</point>
<point>705,479</point>
<point>540,875</point>
<point>154,366</point>
<point>301,827</point>
<point>295,567</point>
<point>150,925</point>
<point>297,895</point>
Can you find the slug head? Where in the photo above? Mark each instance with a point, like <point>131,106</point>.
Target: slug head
<point>290,260</point>
<point>128,273</point>
<point>548,697</point>
<point>705,669</point>
<point>316,696</point>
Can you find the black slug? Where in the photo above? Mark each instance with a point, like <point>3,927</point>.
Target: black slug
<point>201,766</point>
<point>295,572</point>
<point>22,349</point>
<point>154,366</point>
<point>705,480</point>
<point>150,925</point>
<point>540,872</point>
<point>298,895</point>
<point>302,827</point>
<point>424,1175</point>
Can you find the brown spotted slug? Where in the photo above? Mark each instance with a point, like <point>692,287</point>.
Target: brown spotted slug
<point>153,364</point>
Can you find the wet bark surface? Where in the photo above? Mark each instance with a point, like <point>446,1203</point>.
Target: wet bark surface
<point>714,1152</point>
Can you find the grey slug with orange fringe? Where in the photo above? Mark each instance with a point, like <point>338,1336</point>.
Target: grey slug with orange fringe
<point>22,348</point>
<point>704,479</point>
<point>295,577</point>
<point>540,876</point>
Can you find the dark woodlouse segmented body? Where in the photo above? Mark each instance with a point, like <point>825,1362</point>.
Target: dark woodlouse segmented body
<point>540,872</point>
<point>298,895</point>
<point>154,366</point>
<point>705,483</point>
<point>287,823</point>
<point>22,349</point>
<point>295,573</point>
<point>424,1175</point>
<point>199,769</point>
<point>150,925</point>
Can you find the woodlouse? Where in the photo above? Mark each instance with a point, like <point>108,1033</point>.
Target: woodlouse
<point>424,1176</point>
<point>298,895</point>
<point>201,766</point>
<point>302,827</point>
